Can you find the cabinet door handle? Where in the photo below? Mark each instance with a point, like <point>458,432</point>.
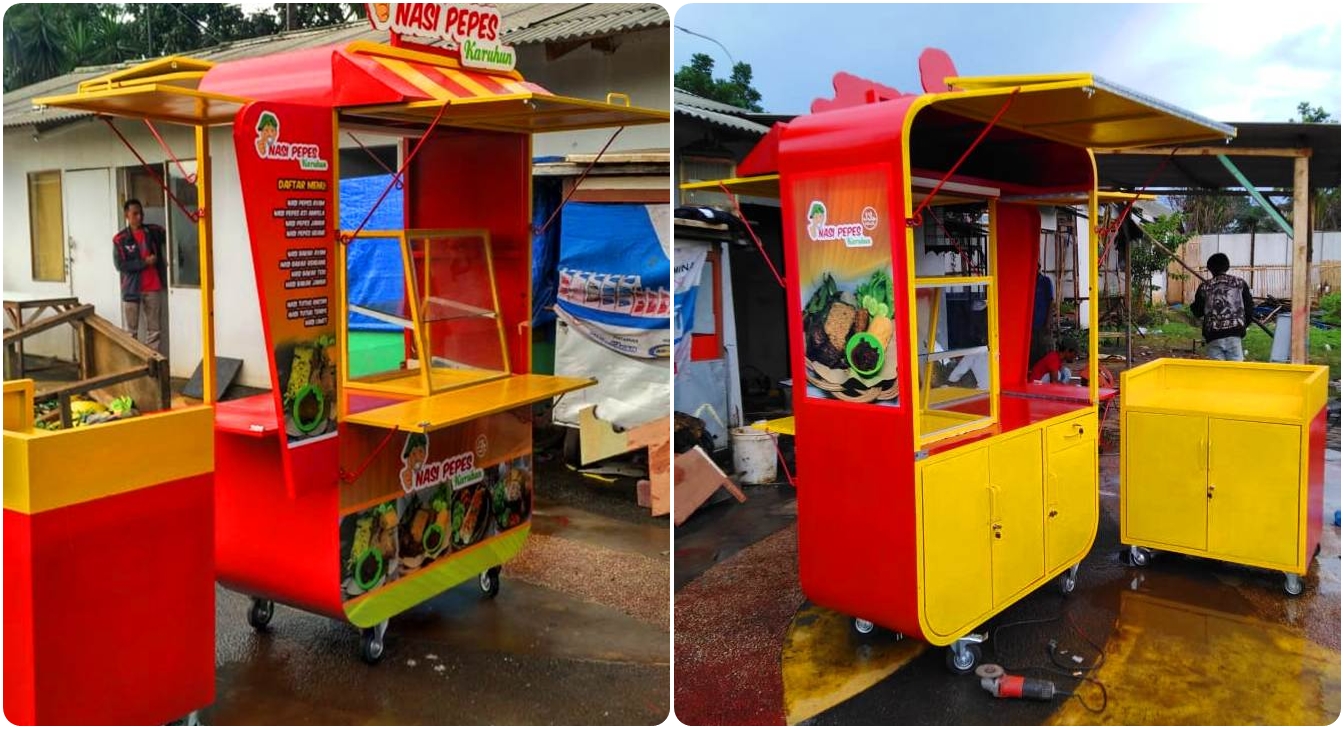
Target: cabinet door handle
<point>993,503</point>
<point>998,531</point>
<point>1053,513</point>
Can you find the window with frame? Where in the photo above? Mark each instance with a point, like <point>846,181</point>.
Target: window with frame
<point>46,226</point>
<point>701,169</point>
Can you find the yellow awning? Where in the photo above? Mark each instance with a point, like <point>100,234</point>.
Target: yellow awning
<point>1079,109</point>
<point>767,186</point>
<point>528,113</point>
<point>762,186</point>
<point>159,90</point>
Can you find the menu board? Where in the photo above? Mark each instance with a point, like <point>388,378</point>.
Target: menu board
<point>842,227</point>
<point>285,165</point>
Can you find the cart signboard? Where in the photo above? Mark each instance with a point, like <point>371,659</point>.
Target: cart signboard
<point>473,30</point>
<point>843,229</point>
<point>425,498</point>
<point>285,161</point>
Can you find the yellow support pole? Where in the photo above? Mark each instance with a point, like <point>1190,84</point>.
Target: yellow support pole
<point>204,232</point>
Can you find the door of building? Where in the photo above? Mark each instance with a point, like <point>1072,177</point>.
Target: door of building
<point>91,219</point>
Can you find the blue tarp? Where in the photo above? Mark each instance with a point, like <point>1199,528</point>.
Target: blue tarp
<point>545,250</point>
<point>375,271</point>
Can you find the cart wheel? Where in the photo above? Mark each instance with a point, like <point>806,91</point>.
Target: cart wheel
<point>864,627</point>
<point>1068,581</point>
<point>490,582</point>
<point>962,661</point>
<point>260,614</point>
<point>1292,584</point>
<point>1138,556</point>
<point>371,643</point>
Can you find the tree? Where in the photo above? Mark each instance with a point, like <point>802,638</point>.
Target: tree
<point>1308,115</point>
<point>697,78</point>
<point>1147,258</point>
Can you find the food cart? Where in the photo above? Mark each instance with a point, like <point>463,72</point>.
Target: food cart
<point>358,495</point>
<point>937,485</point>
<point>1224,460</point>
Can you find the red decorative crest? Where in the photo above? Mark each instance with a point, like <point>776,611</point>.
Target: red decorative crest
<point>935,66</point>
<point>851,90</point>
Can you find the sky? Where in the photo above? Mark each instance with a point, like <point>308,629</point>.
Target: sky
<point>1233,63</point>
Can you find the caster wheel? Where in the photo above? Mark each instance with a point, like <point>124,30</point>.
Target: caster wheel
<point>371,644</point>
<point>1138,556</point>
<point>260,614</point>
<point>1068,581</point>
<point>864,627</point>
<point>489,582</point>
<point>962,662</point>
<point>1292,584</point>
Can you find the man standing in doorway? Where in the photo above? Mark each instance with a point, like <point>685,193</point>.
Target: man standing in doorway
<point>138,253</point>
<point>1224,303</point>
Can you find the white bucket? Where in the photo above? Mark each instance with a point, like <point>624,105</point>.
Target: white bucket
<point>753,455</point>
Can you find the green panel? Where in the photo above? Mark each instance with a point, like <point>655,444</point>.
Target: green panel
<point>406,593</point>
<point>374,352</point>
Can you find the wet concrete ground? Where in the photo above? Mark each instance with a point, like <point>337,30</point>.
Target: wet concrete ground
<point>1185,641</point>
<point>541,652</point>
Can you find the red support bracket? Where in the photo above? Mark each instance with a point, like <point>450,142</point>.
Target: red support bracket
<point>191,177</point>
<point>572,190</point>
<point>396,179</point>
<point>738,209</point>
<point>916,218</point>
<point>192,215</point>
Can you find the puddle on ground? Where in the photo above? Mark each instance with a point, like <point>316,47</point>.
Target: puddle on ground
<point>825,661</point>
<point>1170,662</point>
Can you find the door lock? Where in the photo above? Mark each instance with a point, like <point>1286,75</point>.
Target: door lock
<point>998,531</point>
<point>1209,491</point>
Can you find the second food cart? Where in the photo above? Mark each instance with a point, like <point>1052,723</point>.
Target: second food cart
<point>937,484</point>
<point>360,494</point>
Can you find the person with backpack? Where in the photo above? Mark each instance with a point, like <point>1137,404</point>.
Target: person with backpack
<point>1225,305</point>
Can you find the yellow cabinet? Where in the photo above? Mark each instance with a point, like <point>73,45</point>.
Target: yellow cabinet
<point>1166,462</point>
<point>1224,460</point>
<point>1253,502</point>
<point>956,549</point>
<point>1015,521</point>
<point>1070,502</point>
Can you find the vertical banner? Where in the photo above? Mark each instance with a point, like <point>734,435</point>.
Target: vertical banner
<point>690,264</point>
<point>843,228</point>
<point>285,165</point>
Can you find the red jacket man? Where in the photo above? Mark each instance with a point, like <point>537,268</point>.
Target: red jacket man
<point>138,252</point>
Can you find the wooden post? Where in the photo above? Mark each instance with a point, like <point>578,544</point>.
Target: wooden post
<point>1301,273</point>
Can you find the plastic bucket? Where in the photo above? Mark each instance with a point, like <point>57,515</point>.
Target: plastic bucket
<point>753,455</point>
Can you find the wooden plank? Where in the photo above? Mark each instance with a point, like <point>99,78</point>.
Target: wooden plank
<point>55,320</point>
<point>111,349</point>
<point>1301,279</point>
<point>697,478</point>
<point>93,383</point>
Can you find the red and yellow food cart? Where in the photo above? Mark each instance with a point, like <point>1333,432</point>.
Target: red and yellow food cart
<point>358,495</point>
<point>937,484</point>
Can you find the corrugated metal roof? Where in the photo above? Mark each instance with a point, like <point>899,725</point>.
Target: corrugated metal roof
<point>592,20</point>
<point>524,23</point>
<point>715,112</point>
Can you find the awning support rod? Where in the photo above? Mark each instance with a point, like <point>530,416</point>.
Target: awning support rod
<point>915,219</point>
<point>738,209</point>
<point>193,216</point>
<point>374,157</point>
<point>1113,230</point>
<point>575,187</point>
<point>396,179</point>
<point>191,178</point>
<point>1264,203</point>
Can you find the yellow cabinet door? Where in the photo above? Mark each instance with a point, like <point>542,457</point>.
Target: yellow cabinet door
<point>1017,516</point>
<point>1166,465</point>
<point>1253,491</point>
<point>1070,503</point>
<point>956,552</point>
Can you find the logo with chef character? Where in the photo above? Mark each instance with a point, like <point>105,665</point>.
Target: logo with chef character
<point>851,233</point>
<point>269,146</point>
<point>419,473</point>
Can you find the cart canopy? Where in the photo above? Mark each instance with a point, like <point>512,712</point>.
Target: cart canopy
<point>1080,110</point>
<point>167,89</point>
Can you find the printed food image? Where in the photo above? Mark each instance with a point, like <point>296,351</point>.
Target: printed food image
<point>471,515</point>
<point>511,491</point>
<point>370,549</point>
<point>848,338</point>
<point>308,370</point>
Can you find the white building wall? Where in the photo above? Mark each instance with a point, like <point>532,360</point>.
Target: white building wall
<point>90,145</point>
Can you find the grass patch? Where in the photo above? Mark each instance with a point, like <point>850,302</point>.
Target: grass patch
<point>1322,344</point>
